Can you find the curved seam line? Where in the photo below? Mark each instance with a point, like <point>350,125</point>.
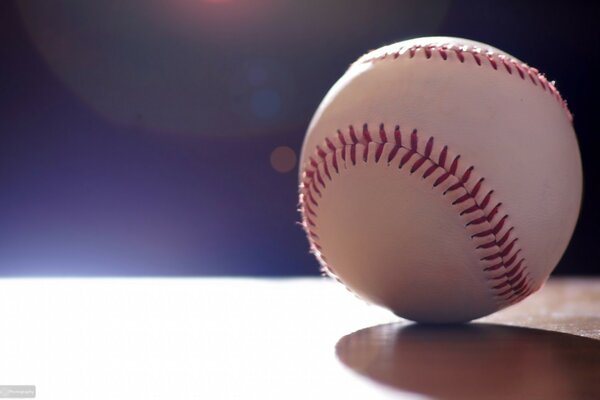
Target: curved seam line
<point>516,278</point>
<point>494,60</point>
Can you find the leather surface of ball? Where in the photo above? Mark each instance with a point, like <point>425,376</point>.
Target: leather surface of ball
<point>440,178</point>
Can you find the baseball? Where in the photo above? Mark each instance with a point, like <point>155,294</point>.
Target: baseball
<point>440,178</point>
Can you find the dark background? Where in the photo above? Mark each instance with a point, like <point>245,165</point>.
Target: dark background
<point>136,137</point>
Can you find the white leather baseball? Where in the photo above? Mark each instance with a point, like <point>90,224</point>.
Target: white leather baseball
<point>440,178</point>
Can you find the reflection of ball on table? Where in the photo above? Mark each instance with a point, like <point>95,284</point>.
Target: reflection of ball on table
<point>440,178</point>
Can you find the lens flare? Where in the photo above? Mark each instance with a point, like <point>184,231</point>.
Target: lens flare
<point>283,159</point>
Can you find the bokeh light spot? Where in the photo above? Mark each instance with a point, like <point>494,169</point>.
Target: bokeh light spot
<point>283,159</point>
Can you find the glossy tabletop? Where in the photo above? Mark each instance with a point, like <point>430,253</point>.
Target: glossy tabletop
<point>193,338</point>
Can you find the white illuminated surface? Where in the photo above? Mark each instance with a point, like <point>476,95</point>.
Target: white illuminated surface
<point>182,338</point>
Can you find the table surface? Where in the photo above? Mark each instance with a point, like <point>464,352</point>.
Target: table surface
<point>194,338</point>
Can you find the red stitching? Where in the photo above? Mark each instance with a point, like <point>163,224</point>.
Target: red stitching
<point>515,277</point>
<point>493,60</point>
